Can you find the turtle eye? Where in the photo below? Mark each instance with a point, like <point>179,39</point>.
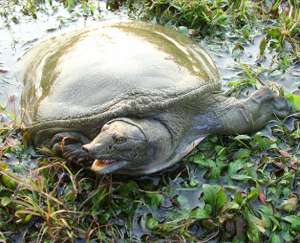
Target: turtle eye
<point>119,140</point>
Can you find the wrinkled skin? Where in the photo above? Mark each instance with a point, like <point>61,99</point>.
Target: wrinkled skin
<point>133,143</point>
<point>123,142</point>
<point>253,113</point>
<point>118,143</point>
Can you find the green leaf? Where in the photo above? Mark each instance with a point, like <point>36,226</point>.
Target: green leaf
<point>215,172</point>
<point>276,5</point>
<point>98,199</point>
<point>234,83</point>
<point>254,192</point>
<point>199,213</point>
<point>215,196</point>
<point>261,142</point>
<point>241,177</point>
<point>238,197</point>
<point>151,223</point>
<point>92,8</point>
<point>209,193</point>
<point>131,188</point>
<point>294,101</point>
<point>70,5</point>
<point>255,226</point>
<point>214,166</point>
<point>266,213</point>
<point>27,218</point>
<point>290,205</point>
<point>221,151</point>
<point>232,206</point>
<point>242,153</point>
<point>275,239</point>
<point>294,221</point>
<point>182,201</point>
<point>155,199</point>
<point>296,134</point>
<point>5,201</point>
<point>275,33</point>
<point>262,46</point>
<point>235,166</point>
<point>242,137</point>
<point>193,182</point>
<point>200,159</point>
<point>8,182</point>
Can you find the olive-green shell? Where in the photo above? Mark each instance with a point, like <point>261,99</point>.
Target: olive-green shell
<point>116,69</point>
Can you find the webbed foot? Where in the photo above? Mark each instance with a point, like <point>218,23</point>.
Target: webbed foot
<point>281,107</point>
<point>69,146</point>
<point>268,101</point>
<point>253,113</point>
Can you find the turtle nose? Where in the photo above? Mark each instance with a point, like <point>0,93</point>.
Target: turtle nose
<point>87,147</point>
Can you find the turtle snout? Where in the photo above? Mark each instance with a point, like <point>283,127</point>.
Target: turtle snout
<point>87,147</point>
<point>90,149</point>
<point>96,149</point>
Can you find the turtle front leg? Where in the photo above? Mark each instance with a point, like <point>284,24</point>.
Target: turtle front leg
<point>69,146</point>
<point>251,114</point>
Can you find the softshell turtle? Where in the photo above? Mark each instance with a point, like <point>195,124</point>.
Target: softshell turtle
<point>132,97</point>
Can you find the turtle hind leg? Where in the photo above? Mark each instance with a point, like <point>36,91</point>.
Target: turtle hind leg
<point>69,146</point>
<point>251,114</point>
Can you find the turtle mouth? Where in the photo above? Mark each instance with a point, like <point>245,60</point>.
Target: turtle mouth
<point>106,166</point>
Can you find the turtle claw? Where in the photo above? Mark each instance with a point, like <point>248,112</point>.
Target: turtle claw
<point>65,138</point>
<point>262,95</point>
<point>69,146</point>
<point>266,96</point>
<point>281,108</point>
<point>75,154</point>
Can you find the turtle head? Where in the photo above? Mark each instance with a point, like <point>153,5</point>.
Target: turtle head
<point>125,144</point>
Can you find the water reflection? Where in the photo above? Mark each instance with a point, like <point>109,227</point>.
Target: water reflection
<point>16,39</point>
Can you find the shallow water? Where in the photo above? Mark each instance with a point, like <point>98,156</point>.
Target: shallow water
<point>229,63</point>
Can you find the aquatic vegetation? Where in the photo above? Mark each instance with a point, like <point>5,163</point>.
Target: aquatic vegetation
<point>234,21</point>
<point>231,188</point>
